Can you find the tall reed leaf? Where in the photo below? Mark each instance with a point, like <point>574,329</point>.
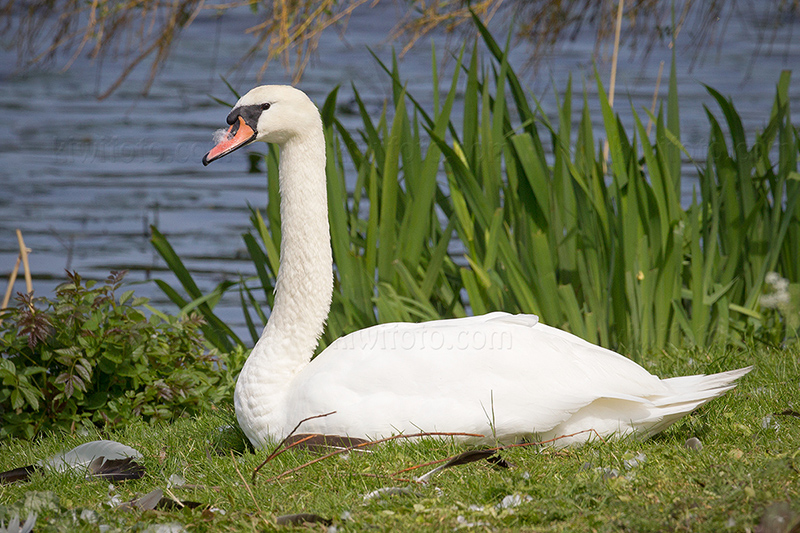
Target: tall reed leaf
<point>448,216</point>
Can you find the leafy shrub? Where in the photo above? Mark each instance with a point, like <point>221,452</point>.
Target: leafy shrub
<point>90,357</point>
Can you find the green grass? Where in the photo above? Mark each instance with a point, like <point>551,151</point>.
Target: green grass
<point>749,459</point>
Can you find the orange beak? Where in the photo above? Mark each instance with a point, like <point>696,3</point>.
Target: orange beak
<point>239,134</point>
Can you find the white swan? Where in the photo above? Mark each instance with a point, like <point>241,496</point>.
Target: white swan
<point>503,376</point>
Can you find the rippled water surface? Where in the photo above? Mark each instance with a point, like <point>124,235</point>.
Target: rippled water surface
<point>83,179</point>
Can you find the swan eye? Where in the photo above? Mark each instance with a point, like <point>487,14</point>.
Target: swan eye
<point>264,107</point>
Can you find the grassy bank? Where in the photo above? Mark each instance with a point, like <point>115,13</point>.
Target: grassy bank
<point>749,460</point>
<point>477,217</point>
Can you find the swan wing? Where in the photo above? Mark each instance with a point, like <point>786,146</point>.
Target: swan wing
<point>498,375</point>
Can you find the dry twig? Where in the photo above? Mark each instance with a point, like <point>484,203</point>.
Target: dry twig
<point>488,452</point>
<point>365,444</point>
<point>23,253</point>
<point>277,451</point>
<point>139,30</point>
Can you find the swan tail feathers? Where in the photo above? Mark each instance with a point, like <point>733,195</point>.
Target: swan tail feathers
<point>699,388</point>
<point>689,393</point>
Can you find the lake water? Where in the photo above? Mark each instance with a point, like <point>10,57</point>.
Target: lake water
<point>83,179</point>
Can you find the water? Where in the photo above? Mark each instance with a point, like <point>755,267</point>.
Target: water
<point>83,179</point>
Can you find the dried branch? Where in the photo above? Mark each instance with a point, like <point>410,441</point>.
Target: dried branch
<point>23,253</point>
<point>366,444</point>
<point>278,449</point>
<point>462,458</point>
<point>484,453</point>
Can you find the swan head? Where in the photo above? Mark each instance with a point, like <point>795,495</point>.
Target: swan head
<point>269,113</point>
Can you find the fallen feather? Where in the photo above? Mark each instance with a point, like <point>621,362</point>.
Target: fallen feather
<point>101,458</point>
<point>144,503</point>
<point>175,480</point>
<point>302,518</point>
<point>513,500</point>
<point>609,473</point>
<point>635,461</point>
<point>461,459</point>
<point>83,455</point>
<point>87,515</point>
<point>389,491</point>
<point>115,469</point>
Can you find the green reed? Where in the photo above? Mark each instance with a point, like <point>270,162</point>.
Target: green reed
<point>448,219</point>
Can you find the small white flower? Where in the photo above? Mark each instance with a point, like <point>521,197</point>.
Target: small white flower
<point>780,291</point>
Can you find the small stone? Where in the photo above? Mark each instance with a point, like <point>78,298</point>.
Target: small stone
<point>693,443</point>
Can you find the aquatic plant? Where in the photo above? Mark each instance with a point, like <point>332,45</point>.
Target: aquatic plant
<point>448,219</point>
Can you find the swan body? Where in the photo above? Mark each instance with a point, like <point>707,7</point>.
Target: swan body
<point>504,377</point>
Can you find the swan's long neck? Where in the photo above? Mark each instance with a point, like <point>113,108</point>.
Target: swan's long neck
<point>302,291</point>
<point>305,278</point>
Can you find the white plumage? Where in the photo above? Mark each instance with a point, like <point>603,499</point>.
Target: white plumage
<point>506,377</point>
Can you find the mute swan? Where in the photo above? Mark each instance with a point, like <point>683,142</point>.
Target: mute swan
<point>507,377</point>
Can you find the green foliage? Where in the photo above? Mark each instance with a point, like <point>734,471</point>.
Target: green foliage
<point>90,357</point>
<point>484,217</point>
